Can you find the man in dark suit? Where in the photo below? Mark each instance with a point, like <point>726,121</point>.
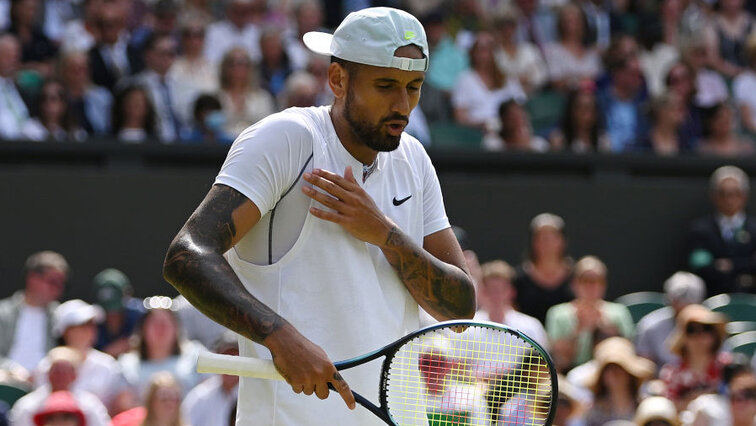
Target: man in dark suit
<point>111,59</point>
<point>722,248</point>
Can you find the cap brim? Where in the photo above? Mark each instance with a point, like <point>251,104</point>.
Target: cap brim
<point>318,42</point>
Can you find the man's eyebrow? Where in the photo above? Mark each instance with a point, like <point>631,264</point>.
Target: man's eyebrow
<point>395,81</point>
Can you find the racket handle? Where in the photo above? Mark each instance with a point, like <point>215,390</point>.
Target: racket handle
<point>208,362</point>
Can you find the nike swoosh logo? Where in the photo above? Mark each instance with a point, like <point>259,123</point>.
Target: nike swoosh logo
<point>400,202</point>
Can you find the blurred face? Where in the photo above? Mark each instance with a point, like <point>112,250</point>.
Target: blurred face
<point>673,112</point>
<point>743,398</point>
<point>239,13</point>
<point>590,286</point>
<point>61,375</point>
<point>46,286</point>
<point>527,7</point>
<point>10,56</point>
<point>681,81</point>
<point>270,46</point>
<point>699,337</point>
<point>111,23</point>
<point>135,105</point>
<point>572,22</point>
<point>238,67</point>
<point>671,9</point>
<point>52,102</point>
<point>729,198</point>
<point>76,70</point>
<point>547,240</point>
<point>193,40</point>
<point>629,77</point>
<point>722,122</point>
<point>731,6</point>
<point>615,377</point>
<point>515,118</point>
<point>309,18</point>
<point>24,12</point>
<point>499,291</point>
<point>165,405</point>
<point>160,329</point>
<point>81,336</point>
<point>161,56</point>
<point>584,111</point>
<point>482,54</point>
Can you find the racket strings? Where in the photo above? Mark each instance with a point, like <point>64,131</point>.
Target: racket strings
<point>479,377</point>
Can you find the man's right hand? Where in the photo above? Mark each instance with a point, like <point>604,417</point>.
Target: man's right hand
<point>305,366</point>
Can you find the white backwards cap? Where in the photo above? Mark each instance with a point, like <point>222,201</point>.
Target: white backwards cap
<point>371,36</point>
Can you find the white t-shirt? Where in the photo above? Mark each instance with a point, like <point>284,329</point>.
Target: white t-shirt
<point>23,411</point>
<point>522,322</point>
<point>480,102</point>
<point>30,340</point>
<point>744,91</point>
<point>338,291</point>
<point>208,403</point>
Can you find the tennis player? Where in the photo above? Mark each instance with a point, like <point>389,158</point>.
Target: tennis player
<point>325,230</point>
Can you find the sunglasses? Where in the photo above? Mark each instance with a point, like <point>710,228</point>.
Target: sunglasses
<point>696,328</point>
<point>747,394</point>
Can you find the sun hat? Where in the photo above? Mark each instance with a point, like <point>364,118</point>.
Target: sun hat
<point>371,36</point>
<point>696,314</point>
<point>619,351</point>
<point>656,408</point>
<point>74,312</point>
<point>60,402</point>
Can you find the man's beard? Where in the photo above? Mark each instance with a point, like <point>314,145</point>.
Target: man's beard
<point>372,136</point>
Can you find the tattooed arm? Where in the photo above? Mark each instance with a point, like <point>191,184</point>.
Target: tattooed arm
<point>195,265</point>
<point>435,274</point>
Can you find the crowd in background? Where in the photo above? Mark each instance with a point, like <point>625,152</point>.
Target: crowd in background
<point>666,76</point>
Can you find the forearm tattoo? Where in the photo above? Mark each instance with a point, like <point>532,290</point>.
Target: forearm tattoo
<point>438,287</point>
<point>195,266</point>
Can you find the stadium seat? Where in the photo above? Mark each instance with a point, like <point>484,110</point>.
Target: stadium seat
<point>642,303</point>
<point>737,306</point>
<point>9,394</point>
<point>744,343</point>
<point>451,135</point>
<point>736,327</point>
<point>545,109</point>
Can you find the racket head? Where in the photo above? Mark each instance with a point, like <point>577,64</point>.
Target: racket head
<point>468,373</point>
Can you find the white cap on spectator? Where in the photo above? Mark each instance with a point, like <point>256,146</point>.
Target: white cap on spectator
<point>371,36</point>
<point>656,408</point>
<point>684,287</point>
<point>74,312</point>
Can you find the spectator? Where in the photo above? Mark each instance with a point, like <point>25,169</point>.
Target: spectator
<point>726,37</point>
<point>244,102</point>
<point>195,325</point>
<point>513,131</point>
<point>133,117</point>
<point>681,81</point>
<point>656,411</point>
<point>543,278</point>
<point>575,327</point>
<point>14,114</point>
<point>99,373</point>
<point>37,51</point>
<point>720,138</point>
<point>653,330</point>
<point>518,59</point>
<point>667,114</point>
<point>60,409</point>
<point>159,54</point>
<point>25,318</point>
<point>581,129</point>
<point>160,20</point>
<point>308,16</point>
<point>89,104</point>
<point>660,37</point>
<point>82,34</point>
<point>744,89</point>
<point>569,407</point>
<point>162,404</point>
<point>64,365</point>
<point>211,402</point>
<point>275,66</point>
<point>53,119</point>
<point>711,88</point>
<point>236,31</point>
<point>498,296</point>
<point>720,247</point>
<point>697,340</point>
<point>615,384</point>
<point>536,25</point>
<point>208,123</point>
<point>300,90</point>
<point>122,312</point>
<point>571,61</point>
<point>56,14</point>
<point>600,22</point>
<point>480,90</point>
<point>735,407</point>
<point>317,66</point>
<point>111,59</point>
<point>192,73</point>
<point>160,347</point>
<point>621,103</point>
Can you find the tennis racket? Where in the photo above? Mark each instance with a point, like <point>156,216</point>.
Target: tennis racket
<point>450,373</point>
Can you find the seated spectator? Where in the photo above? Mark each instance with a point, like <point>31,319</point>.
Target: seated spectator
<point>575,326</point>
<point>317,67</point>
<point>513,131</point>
<point>736,406</point>
<point>480,90</point>
<point>37,50</point>
<point>99,373</point>
<point>569,407</point>
<point>275,66</point>
<point>581,129</point>
<point>518,59</point>
<point>26,317</point>
<point>160,347</point>
<point>60,409</point>
<point>449,61</point>
<point>667,114</point>
<point>656,411</point>
<point>726,36</point>
<point>110,59</point>
<point>53,118</point>
<point>209,120</point>
<point>300,90</point>
<point>615,385</point>
<point>89,104</point>
<point>697,340</point>
<point>571,61</point>
<point>159,18</point>
<point>162,405</point>
<point>80,34</point>
<point>543,278</point>
<point>536,24</point>
<point>244,102</point>
<point>14,115</point>
<point>621,103</point>
<point>498,296</point>
<point>64,366</point>
<point>213,401</point>
<point>653,330</point>
<point>744,89</point>
<point>720,246</point>
<point>122,312</point>
<point>236,30</point>
<point>711,87</point>
<point>720,138</point>
<point>681,81</point>
<point>133,117</point>
<point>660,36</point>
<point>308,16</point>
<point>195,325</point>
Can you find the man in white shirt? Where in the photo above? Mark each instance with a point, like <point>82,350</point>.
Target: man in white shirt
<point>321,265</point>
<point>26,317</point>
<point>236,30</point>
<point>14,115</point>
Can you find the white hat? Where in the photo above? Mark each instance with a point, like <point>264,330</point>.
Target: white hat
<point>371,36</point>
<point>74,312</point>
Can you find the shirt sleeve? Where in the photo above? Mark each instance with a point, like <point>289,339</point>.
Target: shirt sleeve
<point>265,159</point>
<point>434,213</point>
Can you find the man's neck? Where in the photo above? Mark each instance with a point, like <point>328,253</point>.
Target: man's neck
<point>349,140</point>
<point>32,301</point>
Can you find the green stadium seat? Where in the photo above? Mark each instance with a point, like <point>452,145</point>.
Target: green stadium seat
<point>737,306</point>
<point>736,327</point>
<point>642,303</point>
<point>452,135</point>
<point>9,394</point>
<point>545,109</point>
<point>744,343</point>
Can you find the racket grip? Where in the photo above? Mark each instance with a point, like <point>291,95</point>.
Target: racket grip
<point>208,362</point>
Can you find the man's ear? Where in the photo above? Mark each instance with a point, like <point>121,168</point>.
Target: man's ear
<point>338,79</point>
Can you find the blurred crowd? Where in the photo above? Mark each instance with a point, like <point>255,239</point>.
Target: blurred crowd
<point>126,361</point>
<point>661,76</point>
